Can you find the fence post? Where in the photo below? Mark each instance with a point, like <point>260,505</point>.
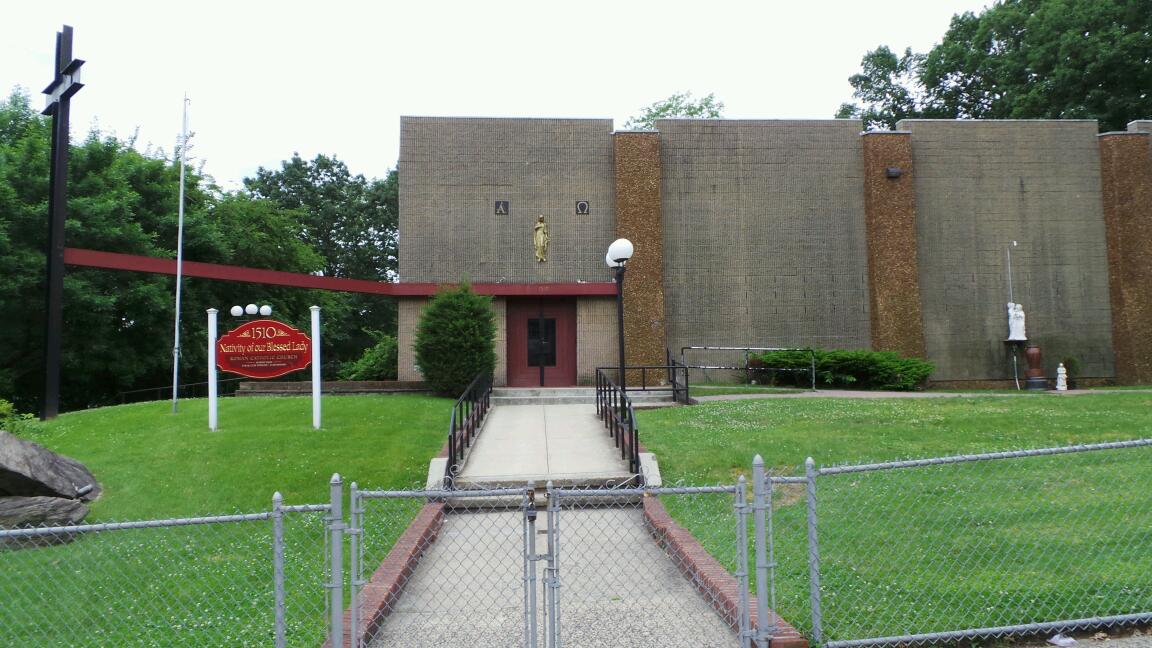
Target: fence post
<point>742,612</point>
<point>764,629</point>
<point>278,566</point>
<point>552,577</point>
<point>336,557</point>
<point>354,548</point>
<point>813,554</point>
<point>529,506</point>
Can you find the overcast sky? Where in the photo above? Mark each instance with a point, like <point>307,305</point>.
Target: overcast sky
<point>267,79</point>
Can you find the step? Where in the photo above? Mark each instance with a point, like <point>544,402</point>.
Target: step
<point>570,396</point>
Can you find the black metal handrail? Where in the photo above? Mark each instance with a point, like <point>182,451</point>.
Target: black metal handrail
<point>467,416</point>
<point>614,408</point>
<point>676,382</point>
<point>678,378</point>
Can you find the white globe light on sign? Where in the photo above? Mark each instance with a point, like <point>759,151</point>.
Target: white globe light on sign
<point>251,309</point>
<point>236,311</point>
<point>265,310</point>
<point>609,261</point>
<point>620,250</point>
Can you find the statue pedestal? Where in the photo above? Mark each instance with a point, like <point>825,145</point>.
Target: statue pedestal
<point>1036,381</point>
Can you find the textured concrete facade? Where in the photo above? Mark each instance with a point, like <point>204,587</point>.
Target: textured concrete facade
<point>595,337</point>
<point>797,234</point>
<point>407,317</point>
<point>1126,160</point>
<point>454,171</point>
<point>893,264</point>
<point>764,241</point>
<point>982,185</point>
<point>638,219</point>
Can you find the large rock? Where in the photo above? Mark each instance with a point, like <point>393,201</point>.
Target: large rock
<point>19,512</point>
<point>29,469</point>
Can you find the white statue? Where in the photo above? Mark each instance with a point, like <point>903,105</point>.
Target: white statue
<point>1061,378</point>
<point>1016,322</point>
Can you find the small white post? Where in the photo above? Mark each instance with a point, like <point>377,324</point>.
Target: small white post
<point>315,367</point>
<point>212,369</point>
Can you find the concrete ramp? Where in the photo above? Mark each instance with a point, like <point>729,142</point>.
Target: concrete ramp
<point>566,444</point>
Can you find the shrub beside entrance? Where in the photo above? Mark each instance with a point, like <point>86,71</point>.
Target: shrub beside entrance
<point>454,339</point>
<point>859,369</point>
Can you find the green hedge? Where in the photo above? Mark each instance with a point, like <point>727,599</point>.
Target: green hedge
<point>860,369</point>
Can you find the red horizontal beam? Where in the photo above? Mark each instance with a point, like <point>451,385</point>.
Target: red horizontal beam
<point>136,263</point>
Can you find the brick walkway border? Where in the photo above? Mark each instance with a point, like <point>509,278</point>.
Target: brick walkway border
<point>707,575</point>
<point>384,588</point>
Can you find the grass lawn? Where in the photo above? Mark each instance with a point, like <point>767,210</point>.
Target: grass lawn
<point>210,585</point>
<point>938,548</point>
<point>720,389</point>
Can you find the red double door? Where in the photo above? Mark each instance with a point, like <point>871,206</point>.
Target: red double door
<point>541,343</point>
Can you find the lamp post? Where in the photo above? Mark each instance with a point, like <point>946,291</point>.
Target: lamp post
<point>618,254</point>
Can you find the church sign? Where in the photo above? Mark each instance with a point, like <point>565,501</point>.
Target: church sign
<point>263,348</point>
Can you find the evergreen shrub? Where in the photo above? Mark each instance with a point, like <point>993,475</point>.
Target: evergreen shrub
<point>455,338</point>
<point>862,369</point>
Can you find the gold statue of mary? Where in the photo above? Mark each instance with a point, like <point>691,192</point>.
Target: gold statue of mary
<point>540,239</point>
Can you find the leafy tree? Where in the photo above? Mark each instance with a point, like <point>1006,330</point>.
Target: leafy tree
<point>1021,59</point>
<point>887,84</point>
<point>118,325</point>
<point>680,104</point>
<point>352,222</point>
<point>349,220</point>
<point>455,338</point>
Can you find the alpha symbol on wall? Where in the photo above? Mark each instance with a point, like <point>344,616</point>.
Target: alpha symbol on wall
<point>503,208</point>
<point>582,208</point>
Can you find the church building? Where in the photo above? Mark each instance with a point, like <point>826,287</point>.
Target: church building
<point>784,233</point>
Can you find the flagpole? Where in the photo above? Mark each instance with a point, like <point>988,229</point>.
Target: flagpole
<point>179,258</point>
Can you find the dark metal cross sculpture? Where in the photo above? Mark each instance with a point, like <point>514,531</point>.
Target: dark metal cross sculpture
<point>60,91</point>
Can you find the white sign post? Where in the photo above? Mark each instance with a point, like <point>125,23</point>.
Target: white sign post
<point>315,367</point>
<point>212,369</point>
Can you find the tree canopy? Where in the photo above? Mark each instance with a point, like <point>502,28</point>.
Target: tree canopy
<point>352,223</point>
<point>680,104</point>
<point>1019,59</point>
<point>118,325</point>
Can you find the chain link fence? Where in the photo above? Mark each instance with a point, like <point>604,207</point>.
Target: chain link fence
<point>901,553</point>
<point>974,546</point>
<point>454,577</point>
<point>630,575</point>
<point>204,581</point>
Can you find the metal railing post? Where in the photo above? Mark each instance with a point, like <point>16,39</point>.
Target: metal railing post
<point>354,548</point>
<point>760,504</point>
<point>278,567</point>
<point>813,553</point>
<point>336,559</point>
<point>742,613</point>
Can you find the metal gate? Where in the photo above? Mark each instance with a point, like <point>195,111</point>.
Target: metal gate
<point>527,567</point>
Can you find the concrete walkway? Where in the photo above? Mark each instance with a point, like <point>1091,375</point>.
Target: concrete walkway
<point>849,393</point>
<point>564,443</point>
<point>618,588</point>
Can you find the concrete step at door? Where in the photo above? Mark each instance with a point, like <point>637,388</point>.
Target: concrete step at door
<point>567,396</point>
